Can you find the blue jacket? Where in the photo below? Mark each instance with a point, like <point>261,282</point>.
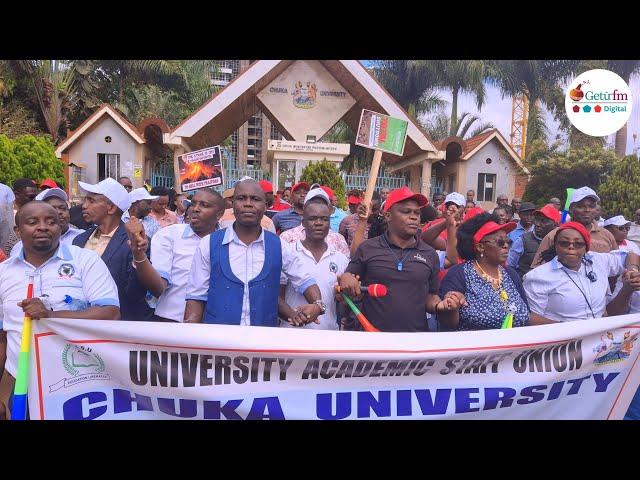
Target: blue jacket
<point>119,260</point>
<point>224,303</point>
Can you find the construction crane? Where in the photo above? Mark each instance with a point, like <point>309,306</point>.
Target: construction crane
<point>519,118</point>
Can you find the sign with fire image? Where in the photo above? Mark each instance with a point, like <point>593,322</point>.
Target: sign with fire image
<point>201,168</point>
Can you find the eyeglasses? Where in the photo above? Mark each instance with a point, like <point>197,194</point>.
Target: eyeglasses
<point>500,243</point>
<point>566,244</point>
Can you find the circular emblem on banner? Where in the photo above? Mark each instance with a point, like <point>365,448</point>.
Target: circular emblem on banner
<point>598,102</point>
<point>333,268</point>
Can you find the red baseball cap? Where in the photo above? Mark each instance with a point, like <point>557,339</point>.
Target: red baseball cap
<point>49,182</point>
<point>266,186</point>
<point>550,212</point>
<point>353,200</point>
<point>402,194</point>
<point>328,192</point>
<point>491,227</point>
<point>300,185</point>
<point>578,227</point>
<point>472,212</point>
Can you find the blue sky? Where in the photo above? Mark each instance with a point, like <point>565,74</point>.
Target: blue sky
<point>497,110</point>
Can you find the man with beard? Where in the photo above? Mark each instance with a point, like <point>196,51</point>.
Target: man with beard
<point>69,282</point>
<point>57,198</point>
<point>103,207</point>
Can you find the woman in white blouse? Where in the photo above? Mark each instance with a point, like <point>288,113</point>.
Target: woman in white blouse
<point>573,283</point>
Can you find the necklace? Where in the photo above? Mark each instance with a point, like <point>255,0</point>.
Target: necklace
<point>496,283</point>
<point>400,261</point>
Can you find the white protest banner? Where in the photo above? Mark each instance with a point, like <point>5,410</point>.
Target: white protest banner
<point>83,369</point>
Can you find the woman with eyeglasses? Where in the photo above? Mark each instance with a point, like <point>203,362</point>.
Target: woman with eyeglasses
<point>619,228</point>
<point>493,292</point>
<point>573,283</point>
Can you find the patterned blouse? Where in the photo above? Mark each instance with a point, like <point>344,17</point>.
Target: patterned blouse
<point>485,309</point>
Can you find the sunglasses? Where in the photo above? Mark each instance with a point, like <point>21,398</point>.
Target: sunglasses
<point>501,243</point>
<point>567,244</point>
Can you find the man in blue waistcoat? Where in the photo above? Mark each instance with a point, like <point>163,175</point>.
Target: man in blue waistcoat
<point>235,275</point>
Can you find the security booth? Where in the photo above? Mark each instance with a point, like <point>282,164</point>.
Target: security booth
<point>288,159</point>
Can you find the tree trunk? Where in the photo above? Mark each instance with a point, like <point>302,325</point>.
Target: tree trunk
<point>454,112</point>
<point>621,141</point>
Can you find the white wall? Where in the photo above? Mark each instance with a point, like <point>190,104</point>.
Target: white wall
<point>502,165</point>
<point>86,149</point>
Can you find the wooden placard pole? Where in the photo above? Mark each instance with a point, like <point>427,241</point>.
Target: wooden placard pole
<point>368,195</point>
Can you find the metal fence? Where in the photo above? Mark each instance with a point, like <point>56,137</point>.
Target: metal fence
<point>162,175</point>
<point>360,182</point>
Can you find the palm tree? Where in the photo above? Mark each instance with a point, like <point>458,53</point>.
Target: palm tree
<point>626,69</point>
<point>460,76</point>
<point>534,79</point>
<point>439,127</point>
<point>412,83</point>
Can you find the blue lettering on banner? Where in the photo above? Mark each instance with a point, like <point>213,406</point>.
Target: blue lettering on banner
<point>383,403</point>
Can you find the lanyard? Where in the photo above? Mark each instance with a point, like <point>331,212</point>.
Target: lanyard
<point>583,294</point>
<point>400,261</point>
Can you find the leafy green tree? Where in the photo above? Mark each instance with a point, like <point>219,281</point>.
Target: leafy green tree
<point>325,173</point>
<point>10,169</point>
<point>620,193</point>
<point>550,177</point>
<point>37,157</point>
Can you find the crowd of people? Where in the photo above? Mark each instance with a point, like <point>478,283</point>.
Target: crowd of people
<point>255,257</point>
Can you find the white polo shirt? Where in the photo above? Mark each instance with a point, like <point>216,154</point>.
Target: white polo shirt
<point>71,271</point>
<point>65,239</point>
<point>246,264</point>
<point>552,294</point>
<point>325,272</point>
<point>172,251</point>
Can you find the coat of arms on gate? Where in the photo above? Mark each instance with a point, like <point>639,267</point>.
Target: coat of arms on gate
<point>304,95</point>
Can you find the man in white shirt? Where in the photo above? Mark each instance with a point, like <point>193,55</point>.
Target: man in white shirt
<point>69,282</point>
<point>57,198</point>
<point>172,250</point>
<point>236,271</point>
<point>314,257</point>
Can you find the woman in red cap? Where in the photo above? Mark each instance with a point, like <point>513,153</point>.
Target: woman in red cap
<point>492,291</point>
<point>573,283</point>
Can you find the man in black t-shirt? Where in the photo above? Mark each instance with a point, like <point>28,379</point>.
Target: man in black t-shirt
<point>402,262</point>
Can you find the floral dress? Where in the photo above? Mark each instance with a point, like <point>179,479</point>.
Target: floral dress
<point>485,309</point>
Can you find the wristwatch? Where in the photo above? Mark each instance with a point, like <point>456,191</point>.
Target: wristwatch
<point>323,307</point>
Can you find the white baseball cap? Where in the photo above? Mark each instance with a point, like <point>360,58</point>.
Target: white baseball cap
<point>456,198</point>
<point>52,192</point>
<point>618,221</point>
<point>317,192</point>
<point>582,193</point>
<point>111,189</point>
<point>140,194</point>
